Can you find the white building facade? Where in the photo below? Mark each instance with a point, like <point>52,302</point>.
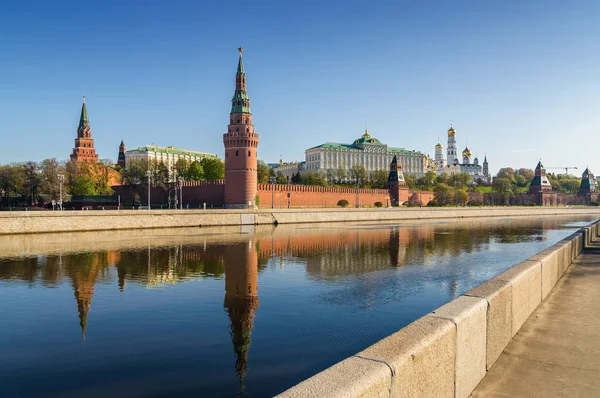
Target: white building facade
<point>452,164</point>
<point>366,151</point>
<point>166,155</point>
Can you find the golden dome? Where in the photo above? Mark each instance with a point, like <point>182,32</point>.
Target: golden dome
<point>451,131</point>
<point>439,145</point>
<point>366,134</point>
<point>466,152</point>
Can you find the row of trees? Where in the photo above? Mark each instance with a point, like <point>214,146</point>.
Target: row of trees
<point>31,183</point>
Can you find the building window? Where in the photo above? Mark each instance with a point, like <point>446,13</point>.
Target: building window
<point>248,153</point>
<point>237,153</point>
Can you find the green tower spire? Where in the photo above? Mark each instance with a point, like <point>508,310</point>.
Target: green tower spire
<point>84,116</point>
<point>240,103</point>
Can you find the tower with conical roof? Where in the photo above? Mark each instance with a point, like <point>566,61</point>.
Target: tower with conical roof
<point>241,144</point>
<point>396,184</point>
<point>540,186</point>
<point>84,143</point>
<point>588,183</point>
<point>121,160</point>
<point>486,168</point>
<point>451,151</point>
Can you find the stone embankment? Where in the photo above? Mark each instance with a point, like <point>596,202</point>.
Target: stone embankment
<point>74,221</point>
<point>449,351</point>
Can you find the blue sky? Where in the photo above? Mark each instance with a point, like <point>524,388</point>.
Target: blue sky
<point>519,79</point>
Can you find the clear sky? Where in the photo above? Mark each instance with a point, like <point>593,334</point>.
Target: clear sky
<point>520,80</point>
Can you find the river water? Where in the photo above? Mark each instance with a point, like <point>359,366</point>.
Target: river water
<point>229,312</point>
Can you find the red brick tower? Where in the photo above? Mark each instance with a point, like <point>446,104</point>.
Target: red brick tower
<point>240,147</point>
<point>84,143</point>
<point>121,160</point>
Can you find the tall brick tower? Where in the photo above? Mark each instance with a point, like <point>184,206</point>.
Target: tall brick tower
<point>121,159</point>
<point>84,143</point>
<point>396,184</point>
<point>240,147</point>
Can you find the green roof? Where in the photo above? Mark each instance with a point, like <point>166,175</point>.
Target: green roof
<point>172,151</point>
<point>240,69</point>
<point>335,145</point>
<point>84,116</point>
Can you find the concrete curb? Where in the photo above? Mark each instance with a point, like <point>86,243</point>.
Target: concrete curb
<point>449,351</point>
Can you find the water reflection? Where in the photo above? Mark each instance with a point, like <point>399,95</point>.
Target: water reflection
<point>329,256</point>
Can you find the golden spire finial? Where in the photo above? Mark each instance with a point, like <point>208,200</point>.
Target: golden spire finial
<point>241,49</point>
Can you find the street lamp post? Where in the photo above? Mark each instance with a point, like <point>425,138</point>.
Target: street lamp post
<point>61,179</point>
<point>148,174</point>
<point>421,196</point>
<point>288,193</point>
<point>272,180</point>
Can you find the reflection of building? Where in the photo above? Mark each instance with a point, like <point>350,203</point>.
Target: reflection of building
<point>241,299</point>
<point>453,165</point>
<point>365,151</point>
<point>84,143</point>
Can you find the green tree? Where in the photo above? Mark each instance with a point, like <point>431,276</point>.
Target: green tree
<point>378,179</point>
<point>443,194</point>
<point>358,172</point>
<point>340,174</point>
<point>462,197</point>
<point>83,185</point>
<point>504,188</point>
<point>180,169</point>
<point>214,168</point>
<point>195,172</point>
<point>281,179</point>
<point>11,183</point>
<point>32,182</point>
<point>264,172</point>
<point>50,169</point>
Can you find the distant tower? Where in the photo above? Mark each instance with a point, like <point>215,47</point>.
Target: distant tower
<point>396,183</point>
<point>466,154</point>
<point>540,185</point>
<point>84,143</point>
<point>486,169</point>
<point>241,299</point>
<point>452,152</point>
<point>439,156</point>
<point>121,160</point>
<point>588,183</point>
<point>240,147</point>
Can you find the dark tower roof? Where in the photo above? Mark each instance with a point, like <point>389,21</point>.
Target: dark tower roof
<point>84,116</point>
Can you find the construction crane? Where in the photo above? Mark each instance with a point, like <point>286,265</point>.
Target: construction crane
<point>566,169</point>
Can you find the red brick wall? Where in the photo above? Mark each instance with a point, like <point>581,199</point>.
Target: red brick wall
<point>312,196</point>
<point>213,193</point>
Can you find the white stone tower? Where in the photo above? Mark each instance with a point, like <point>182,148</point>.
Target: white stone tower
<point>439,156</point>
<point>452,154</point>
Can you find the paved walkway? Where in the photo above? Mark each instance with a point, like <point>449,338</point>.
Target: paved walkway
<point>557,351</point>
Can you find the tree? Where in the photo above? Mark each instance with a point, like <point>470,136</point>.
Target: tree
<point>263,171</point>
<point>358,172</point>
<point>443,194</point>
<point>214,168</point>
<point>378,179</point>
<point>410,181</point>
<point>50,169</point>
<point>296,178</point>
<point>32,182</point>
<point>504,188</point>
<point>280,178</point>
<point>180,169</point>
<point>340,174</point>
<point>462,197</point>
<point>195,172</point>
<point>83,185</point>
<point>134,176</point>
<point>11,183</point>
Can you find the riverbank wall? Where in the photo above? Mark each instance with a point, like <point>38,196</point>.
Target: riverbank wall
<point>75,221</point>
<point>449,351</point>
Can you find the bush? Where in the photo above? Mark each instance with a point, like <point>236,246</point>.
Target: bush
<point>343,203</point>
<point>593,204</point>
<point>433,203</point>
<point>475,203</point>
<point>378,204</point>
<point>257,200</point>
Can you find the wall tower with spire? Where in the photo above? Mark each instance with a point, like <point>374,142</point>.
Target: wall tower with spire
<point>396,184</point>
<point>121,160</point>
<point>84,143</point>
<point>241,144</point>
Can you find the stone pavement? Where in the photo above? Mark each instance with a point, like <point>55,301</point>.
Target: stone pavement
<point>557,351</point>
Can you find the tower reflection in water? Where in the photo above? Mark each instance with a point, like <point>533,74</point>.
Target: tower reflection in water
<point>324,255</point>
<point>241,300</point>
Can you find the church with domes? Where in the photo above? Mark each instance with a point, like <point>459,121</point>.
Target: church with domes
<point>452,164</point>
